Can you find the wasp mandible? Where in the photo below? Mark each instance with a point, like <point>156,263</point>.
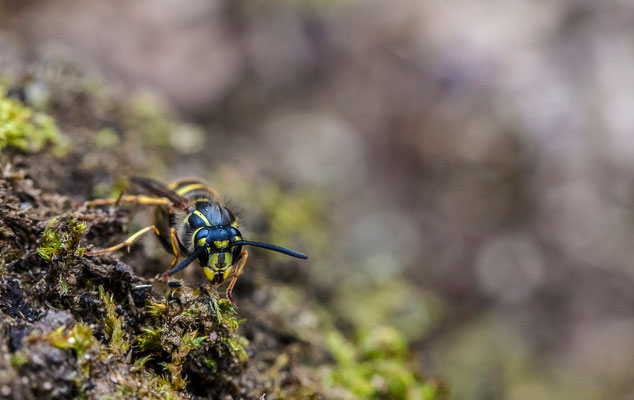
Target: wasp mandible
<point>191,220</point>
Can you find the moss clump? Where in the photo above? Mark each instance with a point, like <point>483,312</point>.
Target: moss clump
<point>149,340</point>
<point>190,336</point>
<point>190,341</point>
<point>113,324</point>
<point>79,338</point>
<point>156,308</point>
<point>61,251</point>
<point>29,131</point>
<point>376,366</point>
<point>71,350</point>
<point>64,244</point>
<point>18,359</point>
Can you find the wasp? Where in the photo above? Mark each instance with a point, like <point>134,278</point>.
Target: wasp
<point>190,220</point>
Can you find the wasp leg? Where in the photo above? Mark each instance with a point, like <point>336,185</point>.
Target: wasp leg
<point>126,243</point>
<point>239,266</point>
<point>176,250</point>
<point>139,199</point>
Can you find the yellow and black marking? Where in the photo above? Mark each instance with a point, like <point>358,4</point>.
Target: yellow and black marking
<point>221,244</point>
<point>194,190</point>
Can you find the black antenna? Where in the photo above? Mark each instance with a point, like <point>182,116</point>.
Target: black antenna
<point>188,260</point>
<point>269,246</point>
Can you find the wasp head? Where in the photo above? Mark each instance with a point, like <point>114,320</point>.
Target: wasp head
<point>217,249</point>
<point>219,255</point>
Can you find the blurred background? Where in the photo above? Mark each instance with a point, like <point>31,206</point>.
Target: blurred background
<point>462,171</point>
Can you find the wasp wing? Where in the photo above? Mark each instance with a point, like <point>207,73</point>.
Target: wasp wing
<point>158,189</point>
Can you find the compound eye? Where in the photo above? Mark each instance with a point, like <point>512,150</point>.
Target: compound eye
<point>200,237</point>
<point>236,252</point>
<point>203,258</point>
<point>235,234</point>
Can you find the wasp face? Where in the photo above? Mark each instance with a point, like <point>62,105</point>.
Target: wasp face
<point>217,261</point>
<point>219,266</point>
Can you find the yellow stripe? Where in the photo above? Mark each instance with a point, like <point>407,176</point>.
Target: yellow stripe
<point>190,188</point>
<point>208,273</point>
<point>212,261</point>
<point>202,240</point>
<point>221,244</point>
<point>201,215</point>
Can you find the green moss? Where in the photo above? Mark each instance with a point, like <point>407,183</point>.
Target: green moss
<point>63,285</point>
<point>183,333</point>
<point>380,302</point>
<point>140,362</point>
<point>149,340</point>
<point>382,342</point>
<point>192,312</point>
<point>188,342</point>
<point>107,138</point>
<point>52,221</point>
<point>156,308</point>
<point>82,339</point>
<point>237,346</point>
<point>52,245</point>
<point>79,338</point>
<point>164,386</point>
<point>211,364</point>
<point>375,366</point>
<point>224,312</point>
<point>18,359</point>
<point>61,250</point>
<point>27,130</point>
<point>65,243</point>
<point>113,324</point>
